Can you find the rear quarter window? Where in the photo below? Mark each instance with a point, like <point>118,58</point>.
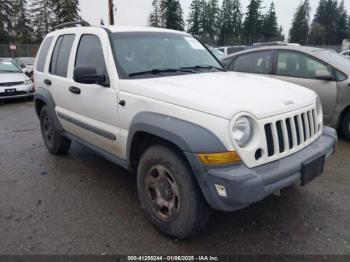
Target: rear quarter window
<point>61,54</point>
<point>43,54</point>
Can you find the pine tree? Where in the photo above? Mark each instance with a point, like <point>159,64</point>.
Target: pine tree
<point>172,14</point>
<point>318,34</point>
<point>42,18</point>
<point>341,24</point>
<point>22,23</point>
<point>252,26</point>
<point>155,16</point>
<point>211,22</point>
<point>6,12</point>
<point>270,28</point>
<point>299,31</point>
<point>196,16</point>
<point>65,11</point>
<point>230,23</point>
<point>326,16</point>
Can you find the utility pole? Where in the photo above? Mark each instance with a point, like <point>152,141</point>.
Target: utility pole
<point>111,12</point>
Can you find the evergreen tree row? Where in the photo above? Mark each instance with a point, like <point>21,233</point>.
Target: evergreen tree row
<point>330,26</point>
<point>220,25</point>
<point>24,23</point>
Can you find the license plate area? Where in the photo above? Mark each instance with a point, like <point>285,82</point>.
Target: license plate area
<point>312,169</point>
<point>10,91</point>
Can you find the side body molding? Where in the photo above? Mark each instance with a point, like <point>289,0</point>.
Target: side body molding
<point>189,137</point>
<point>43,95</point>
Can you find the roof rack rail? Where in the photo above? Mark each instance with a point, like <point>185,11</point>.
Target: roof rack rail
<point>70,24</point>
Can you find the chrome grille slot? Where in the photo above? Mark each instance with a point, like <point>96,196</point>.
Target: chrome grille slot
<point>285,136</point>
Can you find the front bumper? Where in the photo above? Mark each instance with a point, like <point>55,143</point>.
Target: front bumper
<point>245,186</point>
<point>22,91</point>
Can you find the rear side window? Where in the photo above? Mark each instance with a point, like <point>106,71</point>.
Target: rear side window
<point>90,53</point>
<point>61,54</point>
<point>43,54</point>
<point>257,62</point>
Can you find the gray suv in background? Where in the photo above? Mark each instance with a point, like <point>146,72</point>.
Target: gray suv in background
<point>324,71</point>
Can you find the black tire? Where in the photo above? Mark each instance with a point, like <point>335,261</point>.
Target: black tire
<point>54,141</point>
<point>345,126</point>
<point>188,212</point>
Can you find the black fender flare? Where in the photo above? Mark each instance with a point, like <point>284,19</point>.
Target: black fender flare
<point>43,95</point>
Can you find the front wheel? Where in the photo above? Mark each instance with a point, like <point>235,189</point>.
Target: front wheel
<point>345,126</point>
<point>169,193</point>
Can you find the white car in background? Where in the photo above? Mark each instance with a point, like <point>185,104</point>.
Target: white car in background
<point>14,83</point>
<point>346,53</point>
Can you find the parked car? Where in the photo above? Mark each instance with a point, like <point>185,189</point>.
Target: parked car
<point>13,82</point>
<point>276,43</point>
<point>346,53</point>
<point>323,71</point>
<point>26,63</point>
<point>219,55</point>
<point>228,50</point>
<point>156,102</point>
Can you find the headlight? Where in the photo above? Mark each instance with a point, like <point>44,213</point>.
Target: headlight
<point>319,108</point>
<point>242,131</point>
<point>28,82</point>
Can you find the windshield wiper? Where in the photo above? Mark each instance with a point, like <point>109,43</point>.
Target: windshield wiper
<point>199,67</point>
<point>161,70</point>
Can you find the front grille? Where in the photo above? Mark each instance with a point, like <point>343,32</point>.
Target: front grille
<point>283,136</point>
<point>12,83</point>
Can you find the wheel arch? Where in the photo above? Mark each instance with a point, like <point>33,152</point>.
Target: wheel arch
<point>185,136</point>
<point>43,98</point>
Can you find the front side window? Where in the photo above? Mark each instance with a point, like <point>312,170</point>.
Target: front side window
<point>294,64</point>
<point>43,54</point>
<point>154,51</point>
<point>90,53</point>
<point>61,55</point>
<point>256,62</point>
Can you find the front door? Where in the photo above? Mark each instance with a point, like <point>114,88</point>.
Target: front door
<point>96,104</point>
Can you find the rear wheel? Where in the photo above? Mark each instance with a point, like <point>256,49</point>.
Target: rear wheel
<point>169,194</point>
<point>345,126</point>
<point>54,141</point>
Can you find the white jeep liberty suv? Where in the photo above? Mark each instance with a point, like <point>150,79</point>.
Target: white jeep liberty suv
<point>158,103</point>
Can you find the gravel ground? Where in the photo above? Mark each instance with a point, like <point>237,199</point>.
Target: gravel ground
<point>82,204</point>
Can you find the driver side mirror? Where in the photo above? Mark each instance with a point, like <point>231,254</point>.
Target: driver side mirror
<point>323,75</point>
<point>23,66</point>
<point>88,75</point>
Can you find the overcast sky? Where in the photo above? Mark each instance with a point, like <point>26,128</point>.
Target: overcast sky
<point>136,12</point>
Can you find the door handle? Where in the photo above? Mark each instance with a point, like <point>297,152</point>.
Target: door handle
<point>75,90</point>
<point>47,82</point>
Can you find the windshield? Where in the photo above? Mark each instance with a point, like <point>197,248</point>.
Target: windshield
<point>8,67</point>
<point>27,60</point>
<point>335,58</point>
<point>156,53</point>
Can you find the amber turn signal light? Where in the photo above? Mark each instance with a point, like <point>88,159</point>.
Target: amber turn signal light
<point>219,158</point>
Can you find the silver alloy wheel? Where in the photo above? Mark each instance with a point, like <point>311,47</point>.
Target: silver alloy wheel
<point>162,192</point>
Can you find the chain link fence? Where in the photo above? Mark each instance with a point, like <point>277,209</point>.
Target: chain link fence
<point>21,51</point>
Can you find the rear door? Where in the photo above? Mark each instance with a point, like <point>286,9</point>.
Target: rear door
<point>96,114</point>
<point>56,78</point>
<point>300,69</point>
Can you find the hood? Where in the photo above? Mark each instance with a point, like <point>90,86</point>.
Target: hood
<point>224,94</point>
<point>12,77</point>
